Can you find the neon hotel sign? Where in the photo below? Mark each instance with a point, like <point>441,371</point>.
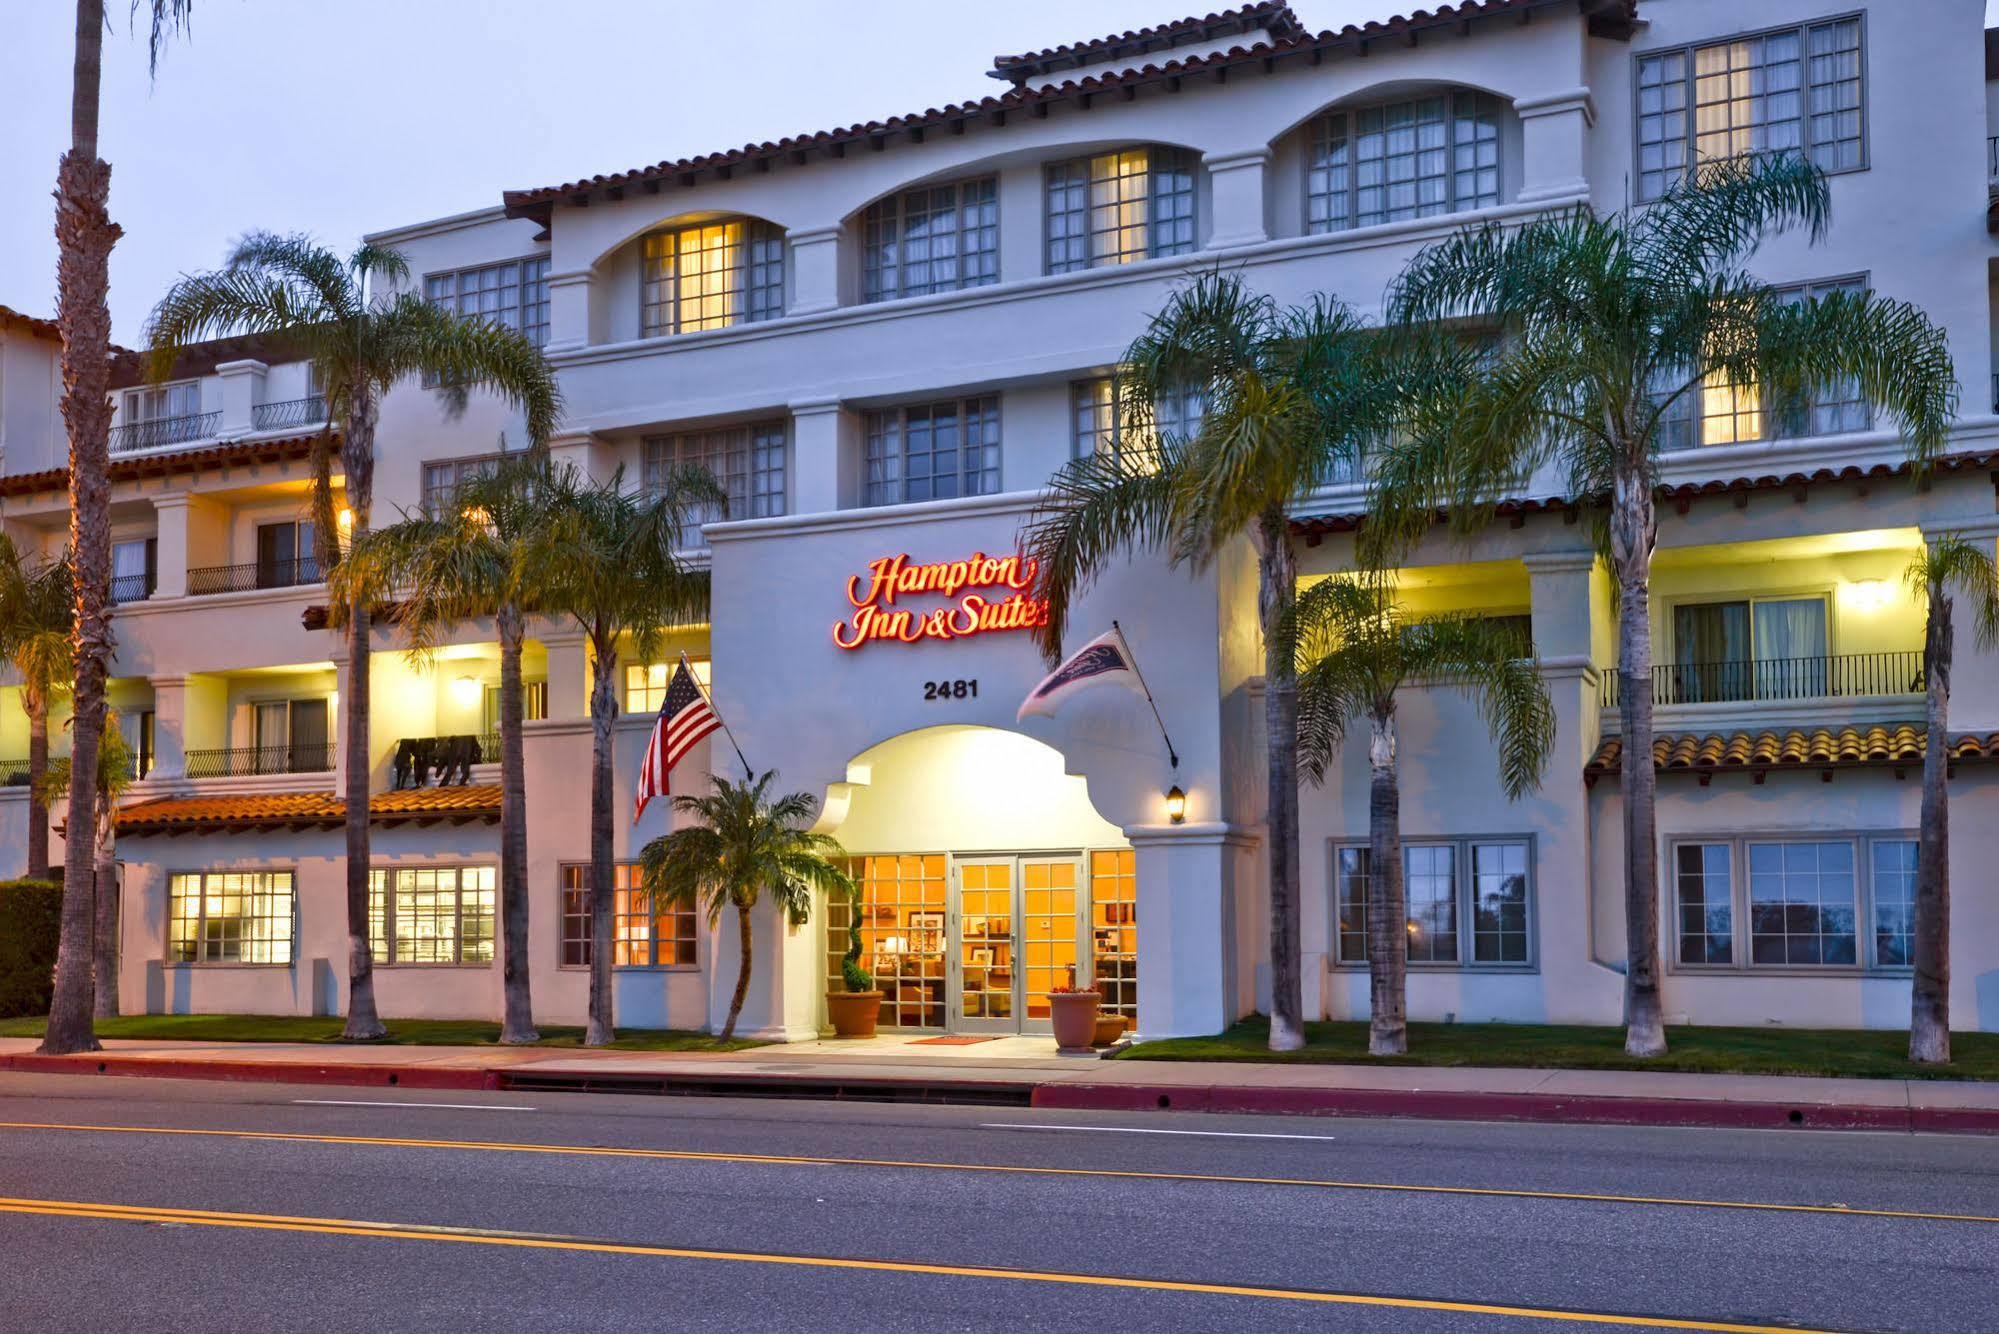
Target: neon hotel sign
<point>983,595</point>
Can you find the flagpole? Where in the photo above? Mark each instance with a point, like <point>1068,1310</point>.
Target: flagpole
<point>1171,754</point>
<point>747,771</point>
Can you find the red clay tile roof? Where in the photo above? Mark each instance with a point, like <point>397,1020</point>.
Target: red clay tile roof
<point>1888,744</point>
<point>1273,15</point>
<point>128,467</point>
<point>1607,18</point>
<point>1680,496</point>
<point>33,326</point>
<point>306,810</point>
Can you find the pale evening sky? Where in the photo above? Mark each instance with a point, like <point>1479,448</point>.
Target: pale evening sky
<point>347,116</point>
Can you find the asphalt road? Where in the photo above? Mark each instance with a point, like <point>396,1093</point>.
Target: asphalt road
<point>274,1207</point>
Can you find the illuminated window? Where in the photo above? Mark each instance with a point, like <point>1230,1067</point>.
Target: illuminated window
<point>1476,889</point>
<point>435,914</point>
<point>933,451</point>
<point>513,295</point>
<point>1114,208</point>
<point>1101,423</point>
<point>1114,930</point>
<point>937,239</point>
<point>1402,160</point>
<point>902,935</point>
<point>747,462</point>
<point>655,936</point>
<point>1788,90</point>
<point>230,917</point>
<point>646,682</point>
<point>710,276</point>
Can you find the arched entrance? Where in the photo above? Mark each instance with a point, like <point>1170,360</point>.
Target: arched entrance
<point>987,878</point>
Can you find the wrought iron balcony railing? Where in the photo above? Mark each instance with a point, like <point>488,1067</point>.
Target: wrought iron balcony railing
<point>308,411</point>
<point>164,431</point>
<point>424,761</point>
<point>131,587</point>
<point>298,757</point>
<point>258,574</point>
<point>1843,676</point>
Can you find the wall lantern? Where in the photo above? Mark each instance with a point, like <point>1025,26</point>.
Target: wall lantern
<point>1869,594</point>
<point>344,519</point>
<point>1176,805</point>
<point>465,691</point>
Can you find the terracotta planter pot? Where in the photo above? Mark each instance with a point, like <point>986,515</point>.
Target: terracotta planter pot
<point>854,1012</point>
<point>1074,1017</point>
<point>1110,1027</point>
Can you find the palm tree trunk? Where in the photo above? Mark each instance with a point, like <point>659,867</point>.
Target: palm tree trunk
<point>84,237</point>
<point>603,711</point>
<point>1277,587</point>
<point>37,707</point>
<point>517,1024</point>
<point>1387,901</point>
<point>743,939</point>
<point>1633,534</point>
<point>106,876</point>
<point>364,1023</point>
<point>1929,990</point>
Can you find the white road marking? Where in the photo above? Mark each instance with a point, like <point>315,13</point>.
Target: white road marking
<point>1137,1130</point>
<point>445,1106</point>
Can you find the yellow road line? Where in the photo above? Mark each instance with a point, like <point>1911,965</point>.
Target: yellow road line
<point>787,1160</point>
<point>342,1227</point>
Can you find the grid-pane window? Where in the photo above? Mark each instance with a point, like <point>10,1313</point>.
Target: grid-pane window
<point>1430,882</point>
<point>1893,881</point>
<point>1114,930</point>
<point>513,295</point>
<point>1102,423</point>
<point>230,917</point>
<point>1792,90</point>
<point>164,401</point>
<point>710,276</point>
<point>1830,409</point>
<point>933,451</point>
<point>747,462</point>
<point>1402,160</point>
<point>646,682</point>
<point>1499,902</point>
<point>1704,898</point>
<point>643,934</point>
<point>938,239</point>
<point>1114,208</point>
<point>431,914</point>
<point>1801,903</point>
<point>1350,884</point>
<point>441,480</point>
<point>1481,888</point>
<point>902,906</point>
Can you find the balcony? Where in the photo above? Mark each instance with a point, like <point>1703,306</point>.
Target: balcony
<point>164,431</point>
<point>207,579</point>
<point>131,587</point>
<point>298,757</point>
<point>1844,676</point>
<point>290,414</point>
<point>421,761</point>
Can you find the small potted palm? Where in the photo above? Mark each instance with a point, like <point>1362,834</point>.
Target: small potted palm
<point>855,1010</point>
<point>1072,1012</point>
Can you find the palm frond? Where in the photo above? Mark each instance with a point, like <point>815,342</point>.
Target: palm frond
<point>1954,563</point>
<point>1093,510</point>
<point>418,338</point>
<point>1720,211</point>
<point>1479,657</point>
<point>169,18</point>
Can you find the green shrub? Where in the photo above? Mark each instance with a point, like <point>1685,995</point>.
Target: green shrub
<point>856,977</point>
<point>30,924</point>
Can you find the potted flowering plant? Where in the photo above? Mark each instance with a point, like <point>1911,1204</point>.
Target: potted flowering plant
<point>854,1011</point>
<point>1072,1011</point>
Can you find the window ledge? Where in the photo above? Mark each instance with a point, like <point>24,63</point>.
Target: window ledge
<point>1483,969</point>
<point>1857,972</point>
<point>616,969</point>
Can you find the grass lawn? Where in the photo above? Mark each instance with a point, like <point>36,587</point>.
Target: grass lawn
<point>1867,1053</point>
<point>413,1032</point>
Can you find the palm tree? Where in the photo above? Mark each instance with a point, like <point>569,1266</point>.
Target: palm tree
<point>478,558</point>
<point>1615,328</point>
<point>362,343</point>
<point>84,237</point>
<point>1356,650</point>
<point>1949,566</point>
<point>1288,396</point>
<point>37,614</point>
<point>115,773</point>
<point>610,556</point>
<point>744,844</point>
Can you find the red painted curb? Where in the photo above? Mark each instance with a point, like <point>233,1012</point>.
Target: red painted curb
<point>253,1072</point>
<point>1465,1106</point>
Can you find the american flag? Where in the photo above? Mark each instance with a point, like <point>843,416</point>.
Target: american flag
<point>684,718</point>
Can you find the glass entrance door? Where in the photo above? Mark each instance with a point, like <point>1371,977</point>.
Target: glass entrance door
<point>1048,936</point>
<point>985,997</point>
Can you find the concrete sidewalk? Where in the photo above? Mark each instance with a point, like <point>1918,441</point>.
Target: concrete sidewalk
<point>1024,1072</point>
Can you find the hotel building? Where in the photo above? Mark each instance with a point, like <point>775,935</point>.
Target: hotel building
<point>883,339</point>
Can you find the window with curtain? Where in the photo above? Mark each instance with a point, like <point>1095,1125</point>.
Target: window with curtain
<point>1114,208</point>
<point>1398,160</point>
<point>164,402</point>
<point>134,569</point>
<point>1102,425</point>
<point>936,239</point>
<point>1753,648</point>
<point>710,276</point>
<point>932,451</point>
<point>747,462</point>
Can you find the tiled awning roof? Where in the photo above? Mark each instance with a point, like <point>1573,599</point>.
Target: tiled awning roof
<point>307,810</point>
<point>1273,16</point>
<point>167,463</point>
<point>1887,745</point>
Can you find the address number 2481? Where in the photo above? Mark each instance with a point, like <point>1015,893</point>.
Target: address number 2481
<point>961,689</point>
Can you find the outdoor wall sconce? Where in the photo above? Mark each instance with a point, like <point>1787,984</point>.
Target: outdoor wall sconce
<point>1176,805</point>
<point>465,691</point>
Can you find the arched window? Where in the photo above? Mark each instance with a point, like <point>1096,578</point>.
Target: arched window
<point>710,275</point>
<point>1393,161</point>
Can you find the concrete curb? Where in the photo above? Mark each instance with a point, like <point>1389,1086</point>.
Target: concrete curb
<point>350,1074</point>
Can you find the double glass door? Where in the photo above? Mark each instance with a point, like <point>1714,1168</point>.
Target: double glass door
<point>1013,934</point>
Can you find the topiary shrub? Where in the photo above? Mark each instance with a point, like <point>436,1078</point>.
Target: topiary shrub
<point>856,977</point>
<point>30,925</point>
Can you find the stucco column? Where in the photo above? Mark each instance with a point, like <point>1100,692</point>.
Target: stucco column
<point>815,269</point>
<point>1974,672</point>
<point>1555,131</point>
<point>568,673</point>
<point>342,698</point>
<point>169,726</point>
<point>242,390</point>
<point>816,457</point>
<point>1237,194</point>
<point>1187,942</point>
<point>569,311</point>
<point>171,519</point>
<point>591,457</point>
